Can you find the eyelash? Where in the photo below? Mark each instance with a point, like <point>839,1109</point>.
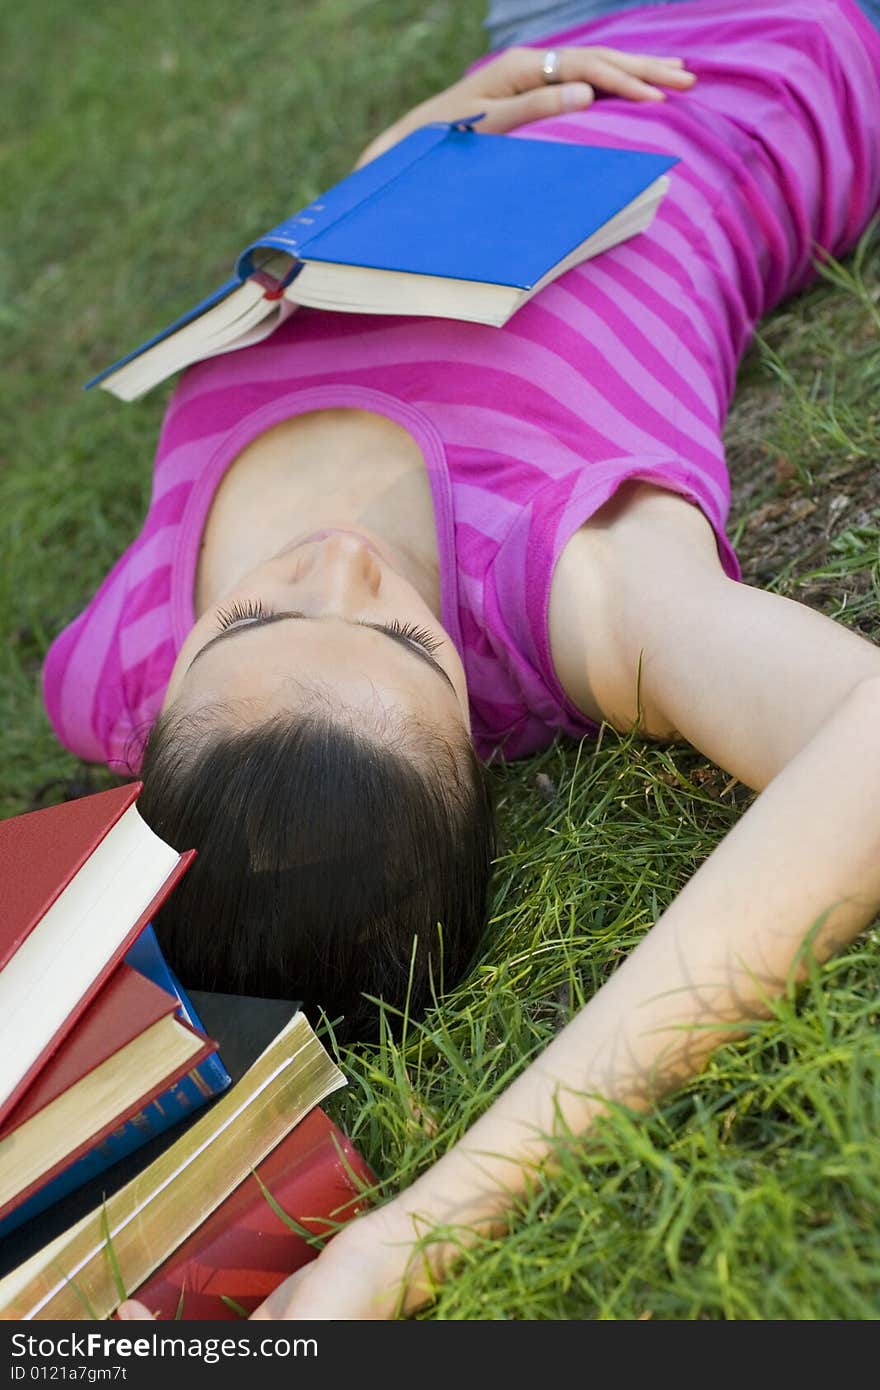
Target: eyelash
<point>255,608</point>
<point>236,612</point>
<point>420,635</point>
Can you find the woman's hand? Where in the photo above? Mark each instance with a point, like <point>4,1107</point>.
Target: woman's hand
<point>512,91</point>
<point>359,1276</point>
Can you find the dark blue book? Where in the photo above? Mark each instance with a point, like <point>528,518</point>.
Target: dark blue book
<point>448,223</point>
<point>178,1102</point>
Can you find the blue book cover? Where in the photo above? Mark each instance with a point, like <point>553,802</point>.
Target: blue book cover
<point>448,202</point>
<point>188,1094</point>
<point>491,208</point>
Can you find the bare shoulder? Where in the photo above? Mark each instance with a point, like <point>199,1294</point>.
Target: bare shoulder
<point>618,590</point>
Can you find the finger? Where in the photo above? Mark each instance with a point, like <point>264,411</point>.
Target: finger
<point>132,1311</point>
<point>587,63</point>
<point>278,1304</point>
<point>668,72</point>
<point>550,100</point>
<point>607,77</point>
<point>517,70</point>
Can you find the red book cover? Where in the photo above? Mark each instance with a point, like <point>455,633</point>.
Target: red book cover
<point>244,1250</point>
<point>40,853</point>
<point>125,1008</point>
<point>52,845</point>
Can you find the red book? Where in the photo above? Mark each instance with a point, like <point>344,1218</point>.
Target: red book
<point>79,882</point>
<point>127,1047</point>
<point>244,1250</point>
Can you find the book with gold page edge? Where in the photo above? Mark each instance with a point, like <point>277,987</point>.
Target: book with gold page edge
<point>75,1276</point>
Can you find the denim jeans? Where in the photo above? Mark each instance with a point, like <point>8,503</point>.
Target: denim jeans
<point>518,21</point>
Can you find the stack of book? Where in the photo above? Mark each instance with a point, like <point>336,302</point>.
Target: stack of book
<point>152,1140</point>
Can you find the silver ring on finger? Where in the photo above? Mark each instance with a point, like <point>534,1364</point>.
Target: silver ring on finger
<point>550,68</point>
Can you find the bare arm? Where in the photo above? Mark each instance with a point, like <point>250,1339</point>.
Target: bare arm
<point>783,698</point>
<point>810,845</point>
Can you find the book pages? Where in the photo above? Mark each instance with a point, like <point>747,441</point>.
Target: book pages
<point>77,1276</point>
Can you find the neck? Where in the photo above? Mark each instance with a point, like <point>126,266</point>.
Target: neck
<point>332,468</point>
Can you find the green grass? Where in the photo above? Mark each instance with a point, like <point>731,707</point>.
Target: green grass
<point>145,145</point>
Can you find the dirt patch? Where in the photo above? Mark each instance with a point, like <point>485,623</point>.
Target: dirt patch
<point>789,533</point>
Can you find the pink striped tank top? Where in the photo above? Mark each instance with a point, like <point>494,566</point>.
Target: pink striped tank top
<point>621,369</point>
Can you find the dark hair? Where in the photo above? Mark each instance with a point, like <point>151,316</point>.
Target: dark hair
<point>330,865</point>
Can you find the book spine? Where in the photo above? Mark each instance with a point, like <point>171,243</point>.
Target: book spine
<point>294,234</point>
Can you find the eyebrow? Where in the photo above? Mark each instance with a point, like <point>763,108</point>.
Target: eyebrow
<point>405,642</point>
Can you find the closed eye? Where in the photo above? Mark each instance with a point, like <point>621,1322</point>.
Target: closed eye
<point>253,613</point>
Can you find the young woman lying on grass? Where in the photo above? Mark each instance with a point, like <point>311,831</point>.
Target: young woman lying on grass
<point>376,545</point>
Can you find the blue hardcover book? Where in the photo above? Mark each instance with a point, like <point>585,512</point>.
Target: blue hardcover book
<point>178,1102</point>
<point>210,1077</point>
<point>448,223</point>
